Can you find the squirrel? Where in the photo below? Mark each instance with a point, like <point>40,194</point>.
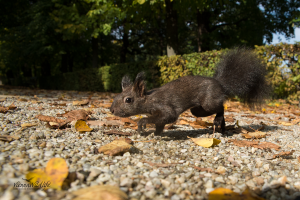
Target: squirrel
<point>239,73</point>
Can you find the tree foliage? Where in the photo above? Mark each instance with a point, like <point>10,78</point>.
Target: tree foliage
<point>42,38</point>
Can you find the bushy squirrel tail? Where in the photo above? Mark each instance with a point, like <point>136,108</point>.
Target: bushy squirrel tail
<point>242,74</point>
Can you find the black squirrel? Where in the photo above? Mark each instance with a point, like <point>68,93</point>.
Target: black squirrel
<point>239,73</point>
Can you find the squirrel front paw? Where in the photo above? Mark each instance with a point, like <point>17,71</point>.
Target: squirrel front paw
<point>141,124</point>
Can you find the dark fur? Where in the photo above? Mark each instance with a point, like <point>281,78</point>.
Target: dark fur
<point>239,73</point>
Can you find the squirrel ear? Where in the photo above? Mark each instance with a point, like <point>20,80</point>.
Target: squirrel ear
<point>126,82</point>
<point>139,84</point>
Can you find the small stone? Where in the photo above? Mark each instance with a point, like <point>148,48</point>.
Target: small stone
<point>221,170</point>
<point>220,179</point>
<point>94,173</point>
<point>49,153</point>
<point>140,164</point>
<point>233,179</point>
<point>297,185</point>
<point>8,195</point>
<point>42,145</point>
<point>256,173</point>
<point>175,197</point>
<point>153,174</point>
<point>250,183</point>
<point>266,167</point>
<point>183,150</point>
<point>208,190</point>
<point>126,182</point>
<point>127,154</point>
<point>103,178</point>
<point>259,180</point>
<point>258,163</point>
<point>209,184</point>
<point>181,180</point>
<point>165,183</point>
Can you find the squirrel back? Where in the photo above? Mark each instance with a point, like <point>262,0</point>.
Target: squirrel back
<point>241,73</point>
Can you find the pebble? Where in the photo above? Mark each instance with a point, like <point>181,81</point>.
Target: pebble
<point>232,167</point>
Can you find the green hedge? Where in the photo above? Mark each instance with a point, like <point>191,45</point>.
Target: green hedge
<point>281,60</point>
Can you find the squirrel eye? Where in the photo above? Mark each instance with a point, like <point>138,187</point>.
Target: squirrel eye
<point>128,100</point>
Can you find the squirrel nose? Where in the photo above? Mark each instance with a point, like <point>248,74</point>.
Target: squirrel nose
<point>111,110</point>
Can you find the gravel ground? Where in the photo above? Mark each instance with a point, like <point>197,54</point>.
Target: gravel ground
<point>232,167</point>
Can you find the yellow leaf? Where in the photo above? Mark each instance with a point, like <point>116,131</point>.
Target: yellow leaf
<point>225,106</point>
<point>81,126</point>
<point>28,124</point>
<point>277,104</point>
<point>52,176</point>
<point>256,134</point>
<point>205,142</point>
<point>227,194</point>
<point>263,110</point>
<point>100,192</point>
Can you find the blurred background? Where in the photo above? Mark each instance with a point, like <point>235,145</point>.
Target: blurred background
<point>51,37</point>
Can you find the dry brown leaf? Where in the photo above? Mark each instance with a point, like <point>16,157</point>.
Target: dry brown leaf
<point>257,135</point>
<point>81,103</point>
<point>128,121</point>
<point>283,154</point>
<point>114,132</point>
<point>58,104</point>
<point>45,118</point>
<point>22,99</point>
<point>75,115</point>
<point>104,105</point>
<point>100,192</point>
<point>182,122</point>
<point>116,147</point>
<point>81,126</point>
<point>256,144</point>
<point>3,109</point>
<point>12,107</point>
<point>298,158</point>
<point>285,123</point>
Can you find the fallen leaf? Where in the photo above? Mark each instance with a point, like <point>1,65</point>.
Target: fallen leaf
<point>81,126</point>
<point>76,115</point>
<point>12,107</point>
<point>227,194</point>
<point>81,103</point>
<point>100,192</point>
<point>45,118</point>
<point>205,142</point>
<point>283,154</point>
<point>116,147</point>
<point>257,135</point>
<point>3,109</point>
<point>52,176</point>
<point>113,132</point>
<point>170,127</point>
<point>28,124</point>
<point>256,144</point>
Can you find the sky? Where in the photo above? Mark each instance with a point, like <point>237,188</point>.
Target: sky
<point>283,39</point>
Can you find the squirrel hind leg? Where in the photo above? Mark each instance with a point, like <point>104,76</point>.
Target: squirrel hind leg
<point>159,129</point>
<point>219,121</point>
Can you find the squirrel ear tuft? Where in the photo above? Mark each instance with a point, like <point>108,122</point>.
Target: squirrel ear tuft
<point>139,84</point>
<point>126,82</point>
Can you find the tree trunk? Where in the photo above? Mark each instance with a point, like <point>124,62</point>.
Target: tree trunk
<point>203,30</point>
<point>95,52</point>
<point>125,44</point>
<point>172,29</point>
